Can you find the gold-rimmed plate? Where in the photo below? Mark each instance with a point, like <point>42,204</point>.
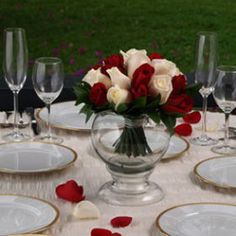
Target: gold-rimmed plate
<point>67,116</point>
<point>21,214</point>
<point>177,147</point>
<point>217,171</point>
<point>34,157</point>
<point>197,219</point>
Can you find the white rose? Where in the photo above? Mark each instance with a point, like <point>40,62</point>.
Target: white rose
<point>118,78</point>
<point>130,52</point>
<point>117,96</point>
<point>161,84</point>
<point>95,76</point>
<point>165,67</point>
<point>136,60</point>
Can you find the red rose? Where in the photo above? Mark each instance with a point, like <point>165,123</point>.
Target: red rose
<point>183,129</point>
<point>140,91</point>
<point>115,60</point>
<point>98,94</point>
<point>179,83</point>
<point>142,75</point>
<point>178,104</point>
<point>105,68</point>
<point>155,55</point>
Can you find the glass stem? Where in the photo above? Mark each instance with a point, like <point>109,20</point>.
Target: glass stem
<point>204,111</point>
<point>226,138</point>
<point>49,134</point>
<point>15,94</point>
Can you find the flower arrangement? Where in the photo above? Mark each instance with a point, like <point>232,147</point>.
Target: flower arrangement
<point>132,84</point>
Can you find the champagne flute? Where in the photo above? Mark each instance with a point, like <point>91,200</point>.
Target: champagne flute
<point>15,63</point>
<point>206,62</point>
<point>225,97</point>
<point>47,79</point>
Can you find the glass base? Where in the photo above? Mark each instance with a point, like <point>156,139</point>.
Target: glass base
<point>15,137</point>
<point>49,139</point>
<point>203,141</point>
<point>130,190</point>
<point>224,149</point>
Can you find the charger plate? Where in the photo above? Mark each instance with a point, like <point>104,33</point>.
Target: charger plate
<point>65,115</point>
<point>218,171</point>
<point>21,214</point>
<point>34,157</point>
<point>177,147</point>
<point>197,219</point>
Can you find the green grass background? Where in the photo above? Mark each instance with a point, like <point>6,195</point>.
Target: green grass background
<point>105,26</point>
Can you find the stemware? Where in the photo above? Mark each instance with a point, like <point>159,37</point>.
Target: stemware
<point>47,79</point>
<point>15,63</point>
<point>225,97</point>
<point>206,61</point>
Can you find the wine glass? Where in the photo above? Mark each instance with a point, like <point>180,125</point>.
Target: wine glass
<point>47,79</point>
<point>225,97</point>
<point>15,63</point>
<point>205,74</point>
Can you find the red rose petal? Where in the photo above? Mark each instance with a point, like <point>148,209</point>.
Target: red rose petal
<point>116,234</point>
<point>193,117</point>
<point>70,191</point>
<point>121,221</point>
<point>183,129</point>
<point>101,232</point>
<point>155,55</point>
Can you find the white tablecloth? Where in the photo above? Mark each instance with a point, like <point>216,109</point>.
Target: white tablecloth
<point>175,177</point>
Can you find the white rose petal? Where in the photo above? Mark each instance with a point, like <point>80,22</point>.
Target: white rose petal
<point>95,76</point>
<point>165,67</point>
<point>117,96</point>
<point>118,78</point>
<point>161,84</point>
<point>136,60</point>
<point>86,210</point>
<point>130,52</point>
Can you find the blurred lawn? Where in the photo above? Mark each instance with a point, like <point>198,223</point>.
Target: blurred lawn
<point>82,32</point>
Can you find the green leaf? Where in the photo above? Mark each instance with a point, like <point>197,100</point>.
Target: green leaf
<point>87,110</point>
<point>192,89</point>
<point>121,108</point>
<point>155,116</point>
<point>81,91</point>
<point>169,122</point>
<point>140,102</point>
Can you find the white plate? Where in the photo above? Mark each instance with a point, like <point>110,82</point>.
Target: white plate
<point>218,171</point>
<point>199,219</point>
<point>66,115</point>
<point>176,147</point>
<point>21,214</point>
<point>34,157</point>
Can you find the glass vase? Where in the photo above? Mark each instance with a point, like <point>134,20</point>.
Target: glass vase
<point>130,149</point>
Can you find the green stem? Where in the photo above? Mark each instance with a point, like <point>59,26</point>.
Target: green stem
<point>132,142</point>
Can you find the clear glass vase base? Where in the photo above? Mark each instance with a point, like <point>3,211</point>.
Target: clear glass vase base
<point>203,141</point>
<point>49,139</point>
<point>224,149</point>
<point>152,194</point>
<point>15,137</point>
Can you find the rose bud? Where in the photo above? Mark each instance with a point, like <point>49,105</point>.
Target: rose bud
<point>118,96</point>
<point>161,84</point>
